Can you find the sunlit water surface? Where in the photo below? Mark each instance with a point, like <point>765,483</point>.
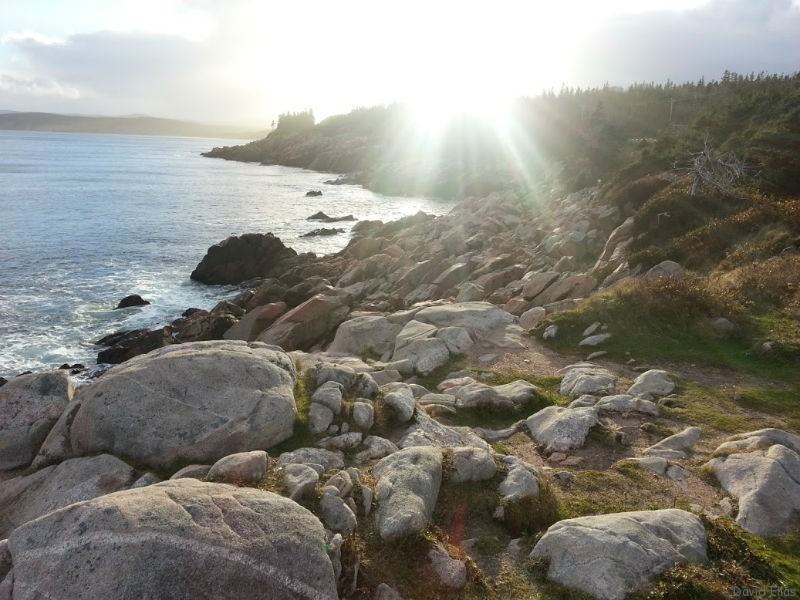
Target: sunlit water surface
<point>87,219</point>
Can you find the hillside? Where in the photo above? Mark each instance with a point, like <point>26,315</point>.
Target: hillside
<point>570,139</point>
<point>135,125</point>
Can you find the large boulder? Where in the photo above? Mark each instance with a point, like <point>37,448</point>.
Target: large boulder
<point>189,403</point>
<point>255,321</point>
<point>29,407</point>
<point>425,354</point>
<point>411,332</point>
<point>765,479</point>
<point>675,446</point>
<point>364,335</point>
<point>560,429</point>
<point>480,319</point>
<point>472,464</point>
<point>667,269</point>
<point>537,283</point>
<point>571,286</point>
<point>652,383</point>
<point>484,322</point>
<point>182,539</point>
<point>586,378</point>
<point>406,492</point>
<point>309,323</point>
<point>239,258</point>
<point>28,497</point>
<point>610,556</point>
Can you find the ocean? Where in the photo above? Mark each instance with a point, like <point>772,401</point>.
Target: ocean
<point>87,219</point>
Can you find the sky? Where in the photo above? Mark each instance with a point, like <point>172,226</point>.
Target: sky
<point>245,61</point>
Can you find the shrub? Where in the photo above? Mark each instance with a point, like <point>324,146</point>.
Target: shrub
<point>630,197</point>
<point>768,284</point>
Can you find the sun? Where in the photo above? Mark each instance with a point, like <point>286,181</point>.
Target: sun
<point>432,114</point>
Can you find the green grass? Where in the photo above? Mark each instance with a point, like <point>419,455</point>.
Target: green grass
<point>665,332</point>
<point>717,409</point>
<point>708,407</point>
<point>781,552</point>
<point>616,490</point>
<point>779,402</point>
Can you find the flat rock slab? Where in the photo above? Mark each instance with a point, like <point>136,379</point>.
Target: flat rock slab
<point>426,431</point>
<point>364,335</point>
<point>187,540</point>
<point>510,395</point>
<point>29,407</point>
<point>407,490</point>
<point>188,403</point>
<point>28,497</point>
<point>625,403</point>
<point>609,556</point>
<point>561,429</point>
<point>767,485</point>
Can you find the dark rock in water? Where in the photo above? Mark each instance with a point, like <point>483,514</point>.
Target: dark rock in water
<point>73,369</point>
<point>321,216</point>
<point>117,336</point>
<point>3,381</point>
<point>313,193</point>
<point>243,257</point>
<point>323,231</point>
<point>203,326</point>
<point>127,344</point>
<point>190,311</point>
<point>132,300</point>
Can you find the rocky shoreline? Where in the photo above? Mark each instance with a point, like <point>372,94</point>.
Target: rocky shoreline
<point>347,425</point>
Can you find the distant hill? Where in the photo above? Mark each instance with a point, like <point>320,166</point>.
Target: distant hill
<point>137,125</point>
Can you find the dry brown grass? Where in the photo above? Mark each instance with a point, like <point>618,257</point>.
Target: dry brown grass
<point>768,284</point>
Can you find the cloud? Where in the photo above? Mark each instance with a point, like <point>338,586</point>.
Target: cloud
<point>738,35</point>
<point>37,86</point>
<point>259,58</point>
<point>120,73</point>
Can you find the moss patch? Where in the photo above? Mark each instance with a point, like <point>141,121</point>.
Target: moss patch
<point>735,561</point>
<point>302,437</point>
